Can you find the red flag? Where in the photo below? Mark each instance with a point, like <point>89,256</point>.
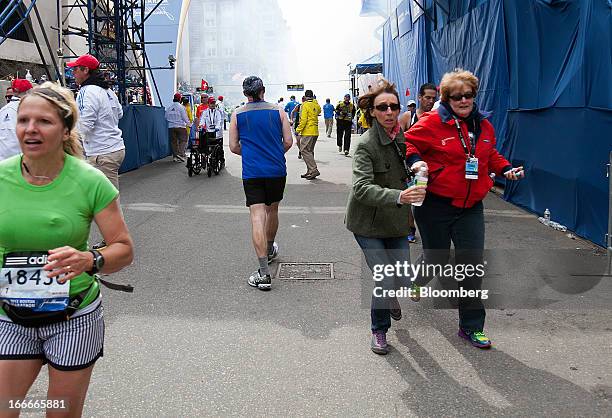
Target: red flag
<point>204,85</point>
<point>407,92</point>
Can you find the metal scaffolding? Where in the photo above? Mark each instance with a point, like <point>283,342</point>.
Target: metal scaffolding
<point>114,32</point>
<point>115,36</point>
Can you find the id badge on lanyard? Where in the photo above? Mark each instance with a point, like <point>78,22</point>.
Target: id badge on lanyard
<point>471,168</point>
<point>24,283</point>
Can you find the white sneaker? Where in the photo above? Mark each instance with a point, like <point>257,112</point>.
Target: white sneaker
<point>274,253</point>
<point>259,281</point>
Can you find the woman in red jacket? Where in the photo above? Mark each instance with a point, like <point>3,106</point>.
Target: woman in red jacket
<point>456,144</point>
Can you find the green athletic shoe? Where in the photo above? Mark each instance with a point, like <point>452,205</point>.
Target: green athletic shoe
<point>476,338</point>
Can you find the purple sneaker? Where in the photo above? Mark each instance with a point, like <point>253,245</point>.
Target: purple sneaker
<point>476,338</point>
<point>379,342</point>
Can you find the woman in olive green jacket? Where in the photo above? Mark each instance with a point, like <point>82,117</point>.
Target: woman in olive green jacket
<point>379,202</point>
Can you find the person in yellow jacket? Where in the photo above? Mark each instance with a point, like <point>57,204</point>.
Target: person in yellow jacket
<point>187,105</point>
<point>362,121</point>
<point>308,129</point>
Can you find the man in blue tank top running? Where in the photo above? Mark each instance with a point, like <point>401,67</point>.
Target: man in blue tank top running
<point>260,132</point>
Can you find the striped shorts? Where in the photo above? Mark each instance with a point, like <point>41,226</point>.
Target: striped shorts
<point>70,345</point>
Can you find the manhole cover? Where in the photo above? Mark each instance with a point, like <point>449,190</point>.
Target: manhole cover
<point>305,271</point>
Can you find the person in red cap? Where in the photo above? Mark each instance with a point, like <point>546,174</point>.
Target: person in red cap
<point>9,145</point>
<point>212,122</point>
<point>178,121</point>
<point>99,114</point>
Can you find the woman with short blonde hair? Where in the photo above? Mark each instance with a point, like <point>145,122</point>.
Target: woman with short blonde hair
<point>456,144</point>
<point>453,78</point>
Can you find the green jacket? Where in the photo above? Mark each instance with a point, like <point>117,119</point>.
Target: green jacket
<point>378,177</point>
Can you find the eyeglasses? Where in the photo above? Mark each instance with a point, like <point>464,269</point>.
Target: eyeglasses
<point>384,106</point>
<point>457,97</point>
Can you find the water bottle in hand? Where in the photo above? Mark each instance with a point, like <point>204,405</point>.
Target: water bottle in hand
<point>420,180</point>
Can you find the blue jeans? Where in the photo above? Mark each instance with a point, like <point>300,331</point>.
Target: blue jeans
<point>383,251</point>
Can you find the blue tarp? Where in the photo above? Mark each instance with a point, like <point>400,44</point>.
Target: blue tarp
<point>544,68</point>
<point>145,133</point>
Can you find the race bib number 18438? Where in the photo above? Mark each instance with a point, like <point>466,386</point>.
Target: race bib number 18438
<point>24,283</point>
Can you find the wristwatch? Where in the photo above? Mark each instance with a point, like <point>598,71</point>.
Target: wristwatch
<point>98,262</point>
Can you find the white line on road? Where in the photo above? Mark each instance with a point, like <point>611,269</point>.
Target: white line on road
<point>294,210</point>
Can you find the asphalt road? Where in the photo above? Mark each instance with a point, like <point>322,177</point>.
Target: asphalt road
<point>195,340</point>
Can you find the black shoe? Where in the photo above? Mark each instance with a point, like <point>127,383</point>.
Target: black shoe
<point>305,175</point>
<point>395,310</point>
<point>312,176</point>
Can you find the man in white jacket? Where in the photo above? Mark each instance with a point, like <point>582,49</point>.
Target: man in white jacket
<point>9,144</point>
<point>99,114</point>
<point>178,121</point>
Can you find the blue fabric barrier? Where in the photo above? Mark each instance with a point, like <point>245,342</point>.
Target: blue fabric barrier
<point>145,133</point>
<point>544,68</point>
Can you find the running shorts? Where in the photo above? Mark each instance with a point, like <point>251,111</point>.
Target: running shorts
<point>69,345</point>
<point>265,190</point>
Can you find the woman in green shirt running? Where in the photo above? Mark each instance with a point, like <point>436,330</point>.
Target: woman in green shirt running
<point>51,308</point>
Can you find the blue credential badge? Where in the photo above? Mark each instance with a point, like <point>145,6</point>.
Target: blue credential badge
<point>471,168</point>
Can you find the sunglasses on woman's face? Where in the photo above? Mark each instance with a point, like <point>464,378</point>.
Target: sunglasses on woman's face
<point>384,106</point>
<point>457,97</point>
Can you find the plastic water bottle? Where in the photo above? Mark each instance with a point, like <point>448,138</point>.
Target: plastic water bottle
<point>547,216</point>
<point>420,180</point>
<point>29,77</point>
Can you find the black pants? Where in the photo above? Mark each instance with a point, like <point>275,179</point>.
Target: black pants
<point>344,131</point>
<point>440,223</point>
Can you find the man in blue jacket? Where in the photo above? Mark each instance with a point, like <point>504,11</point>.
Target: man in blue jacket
<point>290,105</point>
<point>328,115</point>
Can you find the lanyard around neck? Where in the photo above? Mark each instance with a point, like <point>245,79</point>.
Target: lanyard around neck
<point>212,117</point>
<point>463,142</point>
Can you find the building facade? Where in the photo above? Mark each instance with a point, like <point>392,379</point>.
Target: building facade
<point>228,40</point>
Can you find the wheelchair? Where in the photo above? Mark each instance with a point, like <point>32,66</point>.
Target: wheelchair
<point>206,153</point>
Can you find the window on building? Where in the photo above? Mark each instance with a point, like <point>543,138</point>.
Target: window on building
<point>10,21</point>
<point>210,21</point>
<point>210,8</point>
<point>228,52</point>
<point>211,52</point>
<point>227,10</point>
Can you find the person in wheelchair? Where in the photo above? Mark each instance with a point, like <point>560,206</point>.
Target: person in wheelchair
<point>210,155</point>
<point>211,122</point>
